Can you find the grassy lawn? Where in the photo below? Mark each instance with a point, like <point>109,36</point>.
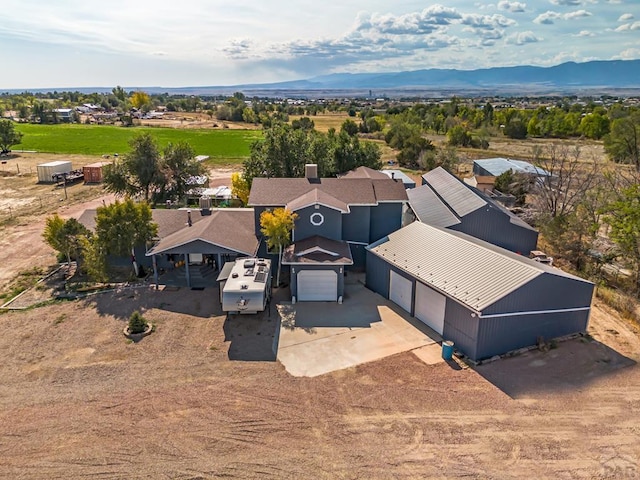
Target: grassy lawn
<point>105,139</point>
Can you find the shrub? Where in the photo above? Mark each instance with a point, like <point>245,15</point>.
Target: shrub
<point>137,323</point>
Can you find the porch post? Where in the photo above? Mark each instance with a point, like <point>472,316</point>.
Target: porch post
<point>155,270</point>
<point>186,265</point>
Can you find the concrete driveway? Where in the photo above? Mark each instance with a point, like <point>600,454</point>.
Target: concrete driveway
<point>320,337</point>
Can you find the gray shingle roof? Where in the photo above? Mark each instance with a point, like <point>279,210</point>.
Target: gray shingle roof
<point>230,228</point>
<point>364,172</point>
<point>317,196</point>
<point>459,265</point>
<point>317,249</point>
<point>352,191</point>
<point>497,166</point>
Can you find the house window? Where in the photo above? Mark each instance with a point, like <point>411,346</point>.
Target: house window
<point>316,219</point>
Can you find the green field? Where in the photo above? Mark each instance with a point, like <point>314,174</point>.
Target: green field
<point>106,140</point>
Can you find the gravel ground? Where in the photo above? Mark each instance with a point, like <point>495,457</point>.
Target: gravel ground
<point>201,397</point>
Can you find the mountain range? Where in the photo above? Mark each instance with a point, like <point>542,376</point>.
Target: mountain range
<point>594,77</point>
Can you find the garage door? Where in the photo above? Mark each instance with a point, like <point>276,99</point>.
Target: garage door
<point>317,286</point>
<point>430,306</point>
<point>400,290</point>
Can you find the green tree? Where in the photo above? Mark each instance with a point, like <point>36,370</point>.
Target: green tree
<point>119,93</point>
<point>9,136</point>
<point>622,144</point>
<point>413,152</point>
<point>516,128</point>
<point>623,215</point>
<point>594,125</point>
<point>276,225</point>
<point>121,226</point>
<point>515,184</point>
<point>139,171</point>
<point>65,236</point>
<point>177,166</point>
<point>95,258</point>
<point>458,136</point>
<point>350,127</point>
<point>303,123</point>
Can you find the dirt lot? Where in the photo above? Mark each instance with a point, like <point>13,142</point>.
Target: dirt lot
<point>24,205</point>
<point>203,398</point>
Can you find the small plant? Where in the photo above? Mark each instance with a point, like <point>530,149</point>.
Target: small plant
<point>61,318</point>
<point>137,323</point>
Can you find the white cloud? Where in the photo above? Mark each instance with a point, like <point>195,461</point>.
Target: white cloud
<point>522,38</point>
<point>576,14</point>
<point>585,33</point>
<point>628,54</point>
<point>628,27</point>
<point>549,17</point>
<point>566,2</point>
<point>513,7</point>
<point>625,17</point>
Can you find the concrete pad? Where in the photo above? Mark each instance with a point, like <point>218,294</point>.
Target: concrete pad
<point>321,337</point>
<point>431,354</point>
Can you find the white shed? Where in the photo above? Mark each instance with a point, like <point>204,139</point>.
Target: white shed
<point>46,171</point>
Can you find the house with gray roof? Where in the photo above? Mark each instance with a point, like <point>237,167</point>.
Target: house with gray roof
<point>336,219</point>
<point>445,201</point>
<point>486,299</point>
<point>193,239</point>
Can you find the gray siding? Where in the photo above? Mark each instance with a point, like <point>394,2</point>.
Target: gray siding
<point>385,219</point>
<point>257,212</point>
<point>355,225</point>
<point>331,226</point>
<point>299,268</point>
<point>545,292</point>
<point>461,328</point>
<point>377,277</point>
<point>478,170</point>
<point>503,334</point>
<point>359,256</point>
<point>493,226</point>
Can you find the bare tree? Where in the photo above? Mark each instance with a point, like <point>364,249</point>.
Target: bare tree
<point>566,182</point>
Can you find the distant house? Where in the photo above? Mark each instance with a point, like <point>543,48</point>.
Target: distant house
<point>337,219</point>
<point>494,167</point>
<point>64,115</point>
<point>446,201</point>
<point>487,300</point>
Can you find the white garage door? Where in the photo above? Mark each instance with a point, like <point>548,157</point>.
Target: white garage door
<point>430,306</point>
<point>400,290</point>
<point>317,286</point>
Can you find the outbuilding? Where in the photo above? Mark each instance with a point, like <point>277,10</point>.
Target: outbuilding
<point>46,171</point>
<point>445,201</point>
<point>485,299</point>
<point>93,172</point>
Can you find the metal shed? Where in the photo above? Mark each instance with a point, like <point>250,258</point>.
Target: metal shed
<point>46,171</point>
<point>495,167</point>
<point>487,300</point>
<point>93,172</point>
<point>446,201</point>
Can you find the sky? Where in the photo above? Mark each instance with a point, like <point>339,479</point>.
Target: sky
<point>169,43</point>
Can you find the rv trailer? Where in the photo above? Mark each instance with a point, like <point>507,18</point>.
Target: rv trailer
<point>247,286</point>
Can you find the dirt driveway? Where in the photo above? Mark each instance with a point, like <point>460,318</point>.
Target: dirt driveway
<point>197,399</point>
